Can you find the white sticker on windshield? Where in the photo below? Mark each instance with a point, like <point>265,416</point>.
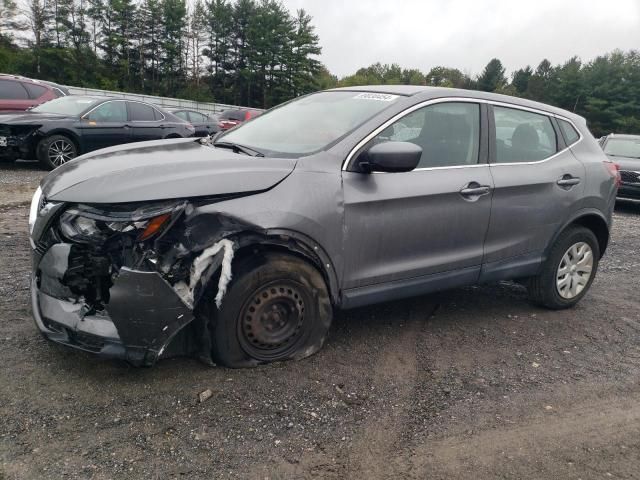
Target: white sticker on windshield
<point>381,97</point>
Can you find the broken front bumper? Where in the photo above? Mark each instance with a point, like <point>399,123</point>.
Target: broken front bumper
<point>143,315</point>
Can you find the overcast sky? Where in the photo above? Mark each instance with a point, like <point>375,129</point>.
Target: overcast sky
<point>466,34</point>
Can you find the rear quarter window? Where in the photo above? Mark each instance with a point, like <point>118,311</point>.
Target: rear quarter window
<point>35,91</point>
<point>569,132</point>
<point>141,113</point>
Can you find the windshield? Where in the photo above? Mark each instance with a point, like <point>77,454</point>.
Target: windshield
<point>623,147</point>
<point>309,124</point>
<point>72,105</point>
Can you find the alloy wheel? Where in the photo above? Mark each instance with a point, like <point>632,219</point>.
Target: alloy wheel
<point>60,152</point>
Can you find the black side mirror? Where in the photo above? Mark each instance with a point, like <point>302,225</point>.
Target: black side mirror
<point>390,157</point>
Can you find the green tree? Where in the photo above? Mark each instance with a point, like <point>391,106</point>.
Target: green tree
<point>520,79</point>
<point>492,77</point>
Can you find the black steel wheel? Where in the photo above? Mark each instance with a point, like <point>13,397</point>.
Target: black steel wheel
<point>277,308</point>
<point>272,320</point>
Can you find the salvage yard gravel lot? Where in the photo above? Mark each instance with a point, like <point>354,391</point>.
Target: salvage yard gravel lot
<point>470,383</point>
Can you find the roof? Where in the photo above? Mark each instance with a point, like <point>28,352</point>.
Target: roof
<point>427,93</point>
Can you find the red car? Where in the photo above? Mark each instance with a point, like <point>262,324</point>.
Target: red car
<point>20,93</point>
<point>230,118</point>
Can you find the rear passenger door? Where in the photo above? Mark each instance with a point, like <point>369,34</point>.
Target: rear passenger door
<point>145,122</point>
<point>538,183</point>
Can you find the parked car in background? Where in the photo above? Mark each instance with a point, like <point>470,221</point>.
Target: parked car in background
<point>624,150</point>
<point>231,118</point>
<point>20,93</point>
<point>204,124</point>
<point>238,250</point>
<point>66,127</point>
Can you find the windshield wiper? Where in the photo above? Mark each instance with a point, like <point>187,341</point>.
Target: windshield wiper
<point>239,148</point>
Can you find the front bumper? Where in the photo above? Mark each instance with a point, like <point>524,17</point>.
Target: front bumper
<point>143,314</point>
<point>18,146</point>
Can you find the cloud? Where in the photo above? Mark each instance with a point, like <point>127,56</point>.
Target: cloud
<point>466,34</point>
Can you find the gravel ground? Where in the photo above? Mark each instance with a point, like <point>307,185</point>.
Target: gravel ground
<point>470,383</point>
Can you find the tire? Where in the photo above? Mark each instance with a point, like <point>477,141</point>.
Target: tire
<point>56,150</point>
<point>277,308</point>
<point>575,250</point>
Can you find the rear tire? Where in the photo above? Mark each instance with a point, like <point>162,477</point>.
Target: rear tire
<point>55,151</point>
<point>277,308</point>
<point>569,270</point>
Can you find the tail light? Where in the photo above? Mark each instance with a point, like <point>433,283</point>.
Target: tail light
<point>247,115</point>
<point>614,171</point>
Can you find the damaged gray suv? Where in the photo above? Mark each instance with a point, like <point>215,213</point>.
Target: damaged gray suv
<point>238,250</point>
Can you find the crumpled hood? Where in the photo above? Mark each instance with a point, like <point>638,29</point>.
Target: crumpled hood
<point>31,118</point>
<point>160,170</point>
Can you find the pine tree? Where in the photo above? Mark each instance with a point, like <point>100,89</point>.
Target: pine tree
<point>492,77</point>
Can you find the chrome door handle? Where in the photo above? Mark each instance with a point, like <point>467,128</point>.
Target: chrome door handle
<point>475,191</point>
<point>568,181</point>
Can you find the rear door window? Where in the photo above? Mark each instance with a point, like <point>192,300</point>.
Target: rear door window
<point>12,90</point>
<point>523,136</point>
<point>182,114</point>
<point>197,117</point>
<point>141,112</point>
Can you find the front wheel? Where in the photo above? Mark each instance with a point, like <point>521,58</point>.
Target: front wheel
<point>56,150</point>
<point>277,308</point>
<point>569,270</point>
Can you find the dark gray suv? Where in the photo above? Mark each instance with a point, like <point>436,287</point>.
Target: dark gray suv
<point>237,251</point>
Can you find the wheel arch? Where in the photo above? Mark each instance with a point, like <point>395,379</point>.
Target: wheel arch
<point>293,243</point>
<point>592,219</point>
<point>74,137</point>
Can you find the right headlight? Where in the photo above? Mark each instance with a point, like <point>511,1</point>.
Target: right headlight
<point>87,224</point>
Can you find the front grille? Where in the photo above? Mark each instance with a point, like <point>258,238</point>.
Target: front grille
<point>5,131</point>
<point>629,177</point>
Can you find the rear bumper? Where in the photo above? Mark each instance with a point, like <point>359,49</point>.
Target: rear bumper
<point>628,191</point>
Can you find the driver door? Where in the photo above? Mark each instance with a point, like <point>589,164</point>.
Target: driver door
<point>106,125</point>
<point>409,233</point>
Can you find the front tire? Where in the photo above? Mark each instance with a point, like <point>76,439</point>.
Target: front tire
<point>55,151</point>
<point>569,270</point>
<point>277,308</point>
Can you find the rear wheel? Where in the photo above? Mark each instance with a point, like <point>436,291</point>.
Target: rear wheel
<point>56,150</point>
<point>277,308</point>
<point>569,270</point>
